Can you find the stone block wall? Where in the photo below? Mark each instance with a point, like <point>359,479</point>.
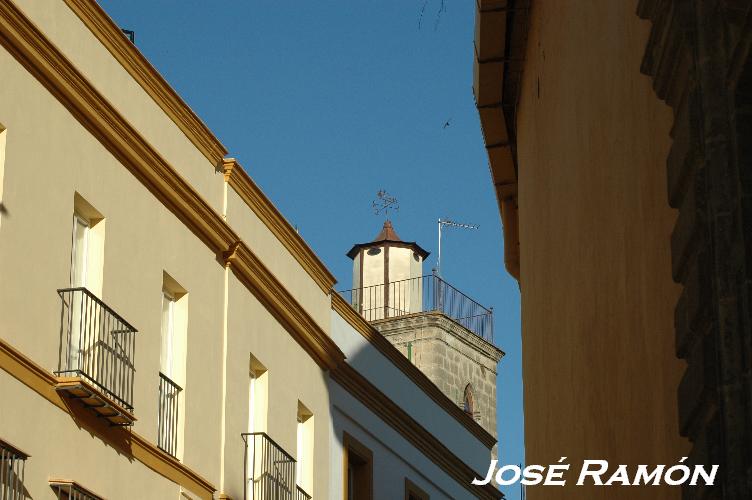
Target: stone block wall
<point>451,356</point>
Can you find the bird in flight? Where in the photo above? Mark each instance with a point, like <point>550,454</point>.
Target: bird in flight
<point>447,123</point>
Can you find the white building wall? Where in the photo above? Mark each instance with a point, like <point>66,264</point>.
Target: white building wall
<point>399,388</point>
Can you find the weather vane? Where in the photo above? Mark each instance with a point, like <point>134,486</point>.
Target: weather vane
<point>383,203</point>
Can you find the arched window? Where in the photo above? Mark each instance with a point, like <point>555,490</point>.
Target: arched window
<point>468,404</point>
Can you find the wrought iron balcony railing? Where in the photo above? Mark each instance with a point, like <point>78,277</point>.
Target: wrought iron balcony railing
<point>167,431</point>
<point>66,489</point>
<point>270,470</point>
<point>96,344</point>
<point>12,465</point>
<point>301,494</point>
<point>417,295</point>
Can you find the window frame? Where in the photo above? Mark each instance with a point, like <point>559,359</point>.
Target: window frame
<point>63,488</point>
<point>412,489</point>
<point>353,447</point>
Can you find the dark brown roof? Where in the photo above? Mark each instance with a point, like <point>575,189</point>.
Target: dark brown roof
<point>388,237</point>
<point>387,233</point>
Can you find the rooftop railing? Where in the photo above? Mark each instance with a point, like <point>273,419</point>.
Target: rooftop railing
<point>417,295</point>
<point>96,344</point>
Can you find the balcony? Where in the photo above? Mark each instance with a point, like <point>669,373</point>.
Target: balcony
<point>66,489</point>
<point>12,465</point>
<point>167,427</point>
<point>95,362</point>
<point>270,470</point>
<point>420,295</point>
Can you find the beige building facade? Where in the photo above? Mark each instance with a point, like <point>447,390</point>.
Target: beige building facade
<point>164,332</point>
<point>617,136</point>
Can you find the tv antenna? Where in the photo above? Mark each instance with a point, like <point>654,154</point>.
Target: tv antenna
<point>383,203</point>
<point>450,223</point>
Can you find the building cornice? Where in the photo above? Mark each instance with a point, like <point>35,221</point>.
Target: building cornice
<point>380,404</point>
<point>126,441</point>
<point>271,293</point>
<point>444,323</point>
<point>376,339</point>
<point>500,39</point>
<point>249,192</point>
<point>43,60</point>
<point>53,70</point>
<point>131,59</point>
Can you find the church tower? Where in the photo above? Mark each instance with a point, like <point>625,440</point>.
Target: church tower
<point>442,331</point>
<point>386,275</point>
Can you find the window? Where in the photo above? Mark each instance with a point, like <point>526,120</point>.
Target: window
<point>412,492</point>
<point>87,258</point>
<point>257,396</point>
<point>65,489</point>
<point>468,401</point>
<point>12,467</point>
<point>79,251</point>
<point>358,469</point>
<point>167,351</point>
<point>172,358</point>
<point>257,404</point>
<point>87,246</point>
<point>304,449</point>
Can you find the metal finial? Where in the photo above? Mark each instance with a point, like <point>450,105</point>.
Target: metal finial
<point>383,203</point>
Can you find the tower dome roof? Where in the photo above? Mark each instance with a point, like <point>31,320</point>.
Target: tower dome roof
<point>388,237</point>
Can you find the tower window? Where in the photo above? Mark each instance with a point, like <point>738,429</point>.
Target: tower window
<point>468,402</point>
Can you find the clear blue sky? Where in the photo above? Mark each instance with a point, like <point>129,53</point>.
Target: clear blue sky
<point>325,103</point>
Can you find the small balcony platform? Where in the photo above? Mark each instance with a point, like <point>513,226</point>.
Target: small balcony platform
<point>92,397</point>
<point>95,361</point>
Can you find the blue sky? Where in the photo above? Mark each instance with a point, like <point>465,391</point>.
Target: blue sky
<point>325,103</point>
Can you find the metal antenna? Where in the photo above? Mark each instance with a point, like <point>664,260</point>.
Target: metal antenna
<point>383,203</point>
<point>450,223</point>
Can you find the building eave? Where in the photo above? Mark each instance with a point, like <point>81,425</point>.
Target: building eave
<point>391,243</point>
<point>500,40</point>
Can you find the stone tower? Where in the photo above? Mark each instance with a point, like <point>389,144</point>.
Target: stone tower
<point>446,334</point>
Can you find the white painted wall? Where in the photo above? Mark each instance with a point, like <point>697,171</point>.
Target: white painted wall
<point>397,386</point>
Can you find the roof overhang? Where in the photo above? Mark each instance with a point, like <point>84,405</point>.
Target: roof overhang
<point>500,40</point>
<point>355,250</point>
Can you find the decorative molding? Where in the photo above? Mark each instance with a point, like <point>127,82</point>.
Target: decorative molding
<point>394,416</point>
<point>37,54</point>
<point>126,53</point>
<point>265,210</point>
<point>48,65</point>
<point>269,291</point>
<point>124,440</point>
<point>419,378</point>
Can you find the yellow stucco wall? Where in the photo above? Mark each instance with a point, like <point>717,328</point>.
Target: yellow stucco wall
<point>49,157</point>
<point>600,374</point>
